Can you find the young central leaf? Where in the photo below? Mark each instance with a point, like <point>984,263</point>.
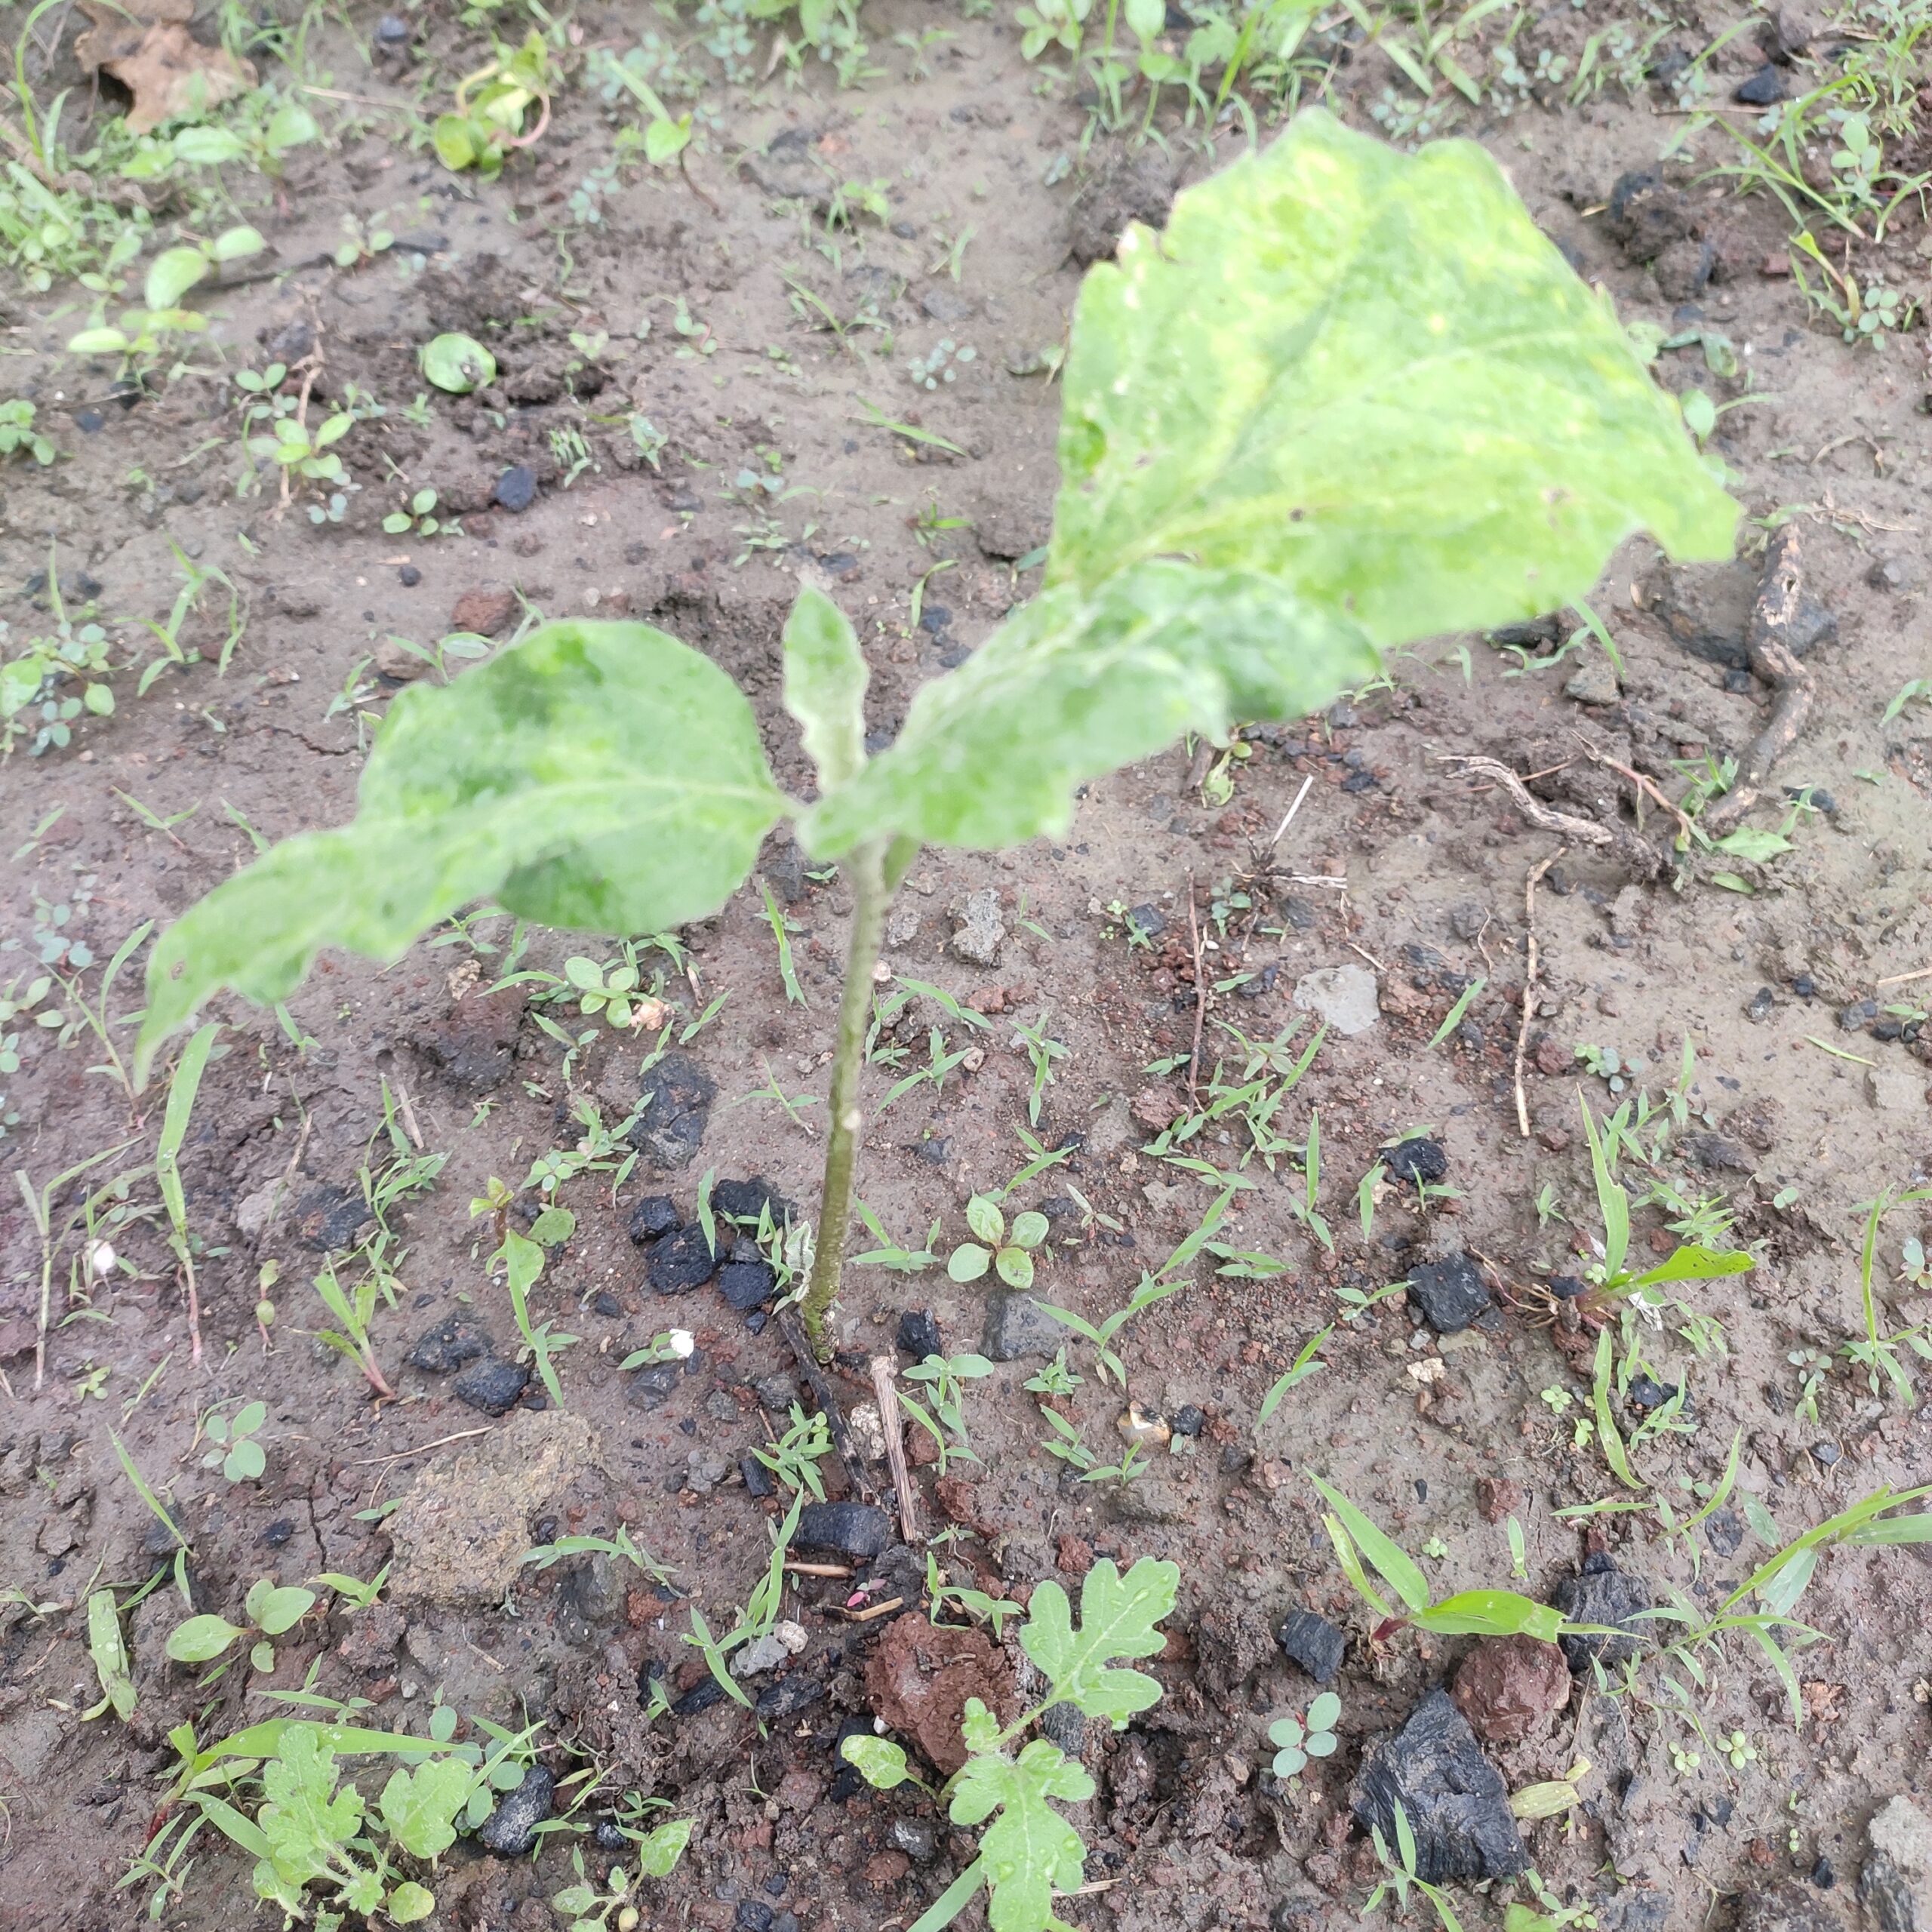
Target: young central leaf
<point>599,777</point>
<point>1118,1616</point>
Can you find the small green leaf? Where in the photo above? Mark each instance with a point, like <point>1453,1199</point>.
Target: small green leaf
<point>396,522</point>
<point>171,274</point>
<point>665,139</point>
<point>109,1649</point>
<point>199,1639</point>
<point>984,1218</point>
<point>276,1609</point>
<point>967,1262</point>
<point>249,1418</point>
<point>557,779</point>
<point>1014,1266</point>
<point>420,1807</point>
<point>261,1657</point>
<point>1029,1229</point>
<point>879,1761</point>
<point>457,364</point>
<point>1397,1569</point>
<point>410,1902</point>
<point>659,1851</point>
<point>455,142</point>
<point>1118,1619</point>
<point>1491,1613</point>
<point>825,677</point>
<point>573,1899</point>
<point>1324,1712</point>
<point>232,245</point>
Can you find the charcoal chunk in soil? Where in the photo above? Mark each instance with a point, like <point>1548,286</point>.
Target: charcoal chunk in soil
<point>454,1340</point>
<point>680,1262</point>
<point>328,1217</point>
<point>746,1200</point>
<point>1450,1293</point>
<point>1602,1593</point>
<point>1457,1803</point>
<point>852,1529</point>
<point>671,1127</point>
<point>654,1217</point>
<point>918,1334</point>
<point>1314,1643</point>
<point>790,1694</point>
<point>652,1387</point>
<point>701,1697</point>
<point>1765,88</point>
<point>510,1829</point>
<point>1017,1326</point>
<point>1417,1160</point>
<point>746,1285</point>
<point>491,1386</point>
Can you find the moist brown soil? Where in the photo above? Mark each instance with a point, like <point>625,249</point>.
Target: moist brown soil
<point>1793,1117</point>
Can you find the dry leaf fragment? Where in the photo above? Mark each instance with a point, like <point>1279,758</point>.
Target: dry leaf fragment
<point>146,45</point>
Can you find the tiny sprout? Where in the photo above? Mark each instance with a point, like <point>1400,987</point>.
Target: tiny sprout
<point>1740,1750</point>
<point>1310,1737</point>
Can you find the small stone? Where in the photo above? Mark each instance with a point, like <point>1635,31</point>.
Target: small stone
<point>1148,920</point>
<point>409,577</point>
<point>654,1217</point>
<point>916,1838</point>
<point>1017,1326</point>
<point>1509,1687</point>
<point>491,1386</point>
<point>982,933</point>
<point>746,1285</point>
<point>1344,996</point>
<point>454,1340</point>
<point>1450,1293</point>
<point>1765,88</point>
<point>392,30</point>
<point>1889,573</point>
<point>1895,1882</point>
<point>789,1695</point>
<point>1825,1453</point>
<point>1603,1594</point>
<point>516,488</point>
<point>946,305</point>
<point>751,1915</point>
<point>680,1262</point>
<point>488,612</point>
<point>776,1392</point>
<point>510,1831</point>
<point>1789,1906</point>
<point>918,1334</point>
<point>1188,1421</point>
<point>1420,1159</point>
<point>755,1477</point>
<point>705,1469</point>
<point>1894,1089</point>
<point>1593,682</point>
<point>852,1529</point>
<point>1314,1643</point>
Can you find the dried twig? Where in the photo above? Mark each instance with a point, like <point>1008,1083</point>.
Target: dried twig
<point>1637,852</point>
<point>1529,983</point>
<point>793,1330</point>
<point>1647,786</point>
<point>1780,596</point>
<point>885,1387</point>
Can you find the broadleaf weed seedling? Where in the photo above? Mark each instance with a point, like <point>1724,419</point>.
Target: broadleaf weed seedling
<point>1172,603</point>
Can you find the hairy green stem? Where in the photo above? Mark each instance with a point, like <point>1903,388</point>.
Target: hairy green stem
<point>872,894</point>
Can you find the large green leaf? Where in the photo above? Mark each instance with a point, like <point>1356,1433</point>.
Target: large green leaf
<point>1119,1617</point>
<point>1031,1849</point>
<point>601,776</point>
<point>1366,372</point>
<point>1072,686</point>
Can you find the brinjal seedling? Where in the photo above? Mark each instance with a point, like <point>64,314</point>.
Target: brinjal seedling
<point>1350,399</point>
<point>1311,1735</point>
<point>1008,1252</point>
